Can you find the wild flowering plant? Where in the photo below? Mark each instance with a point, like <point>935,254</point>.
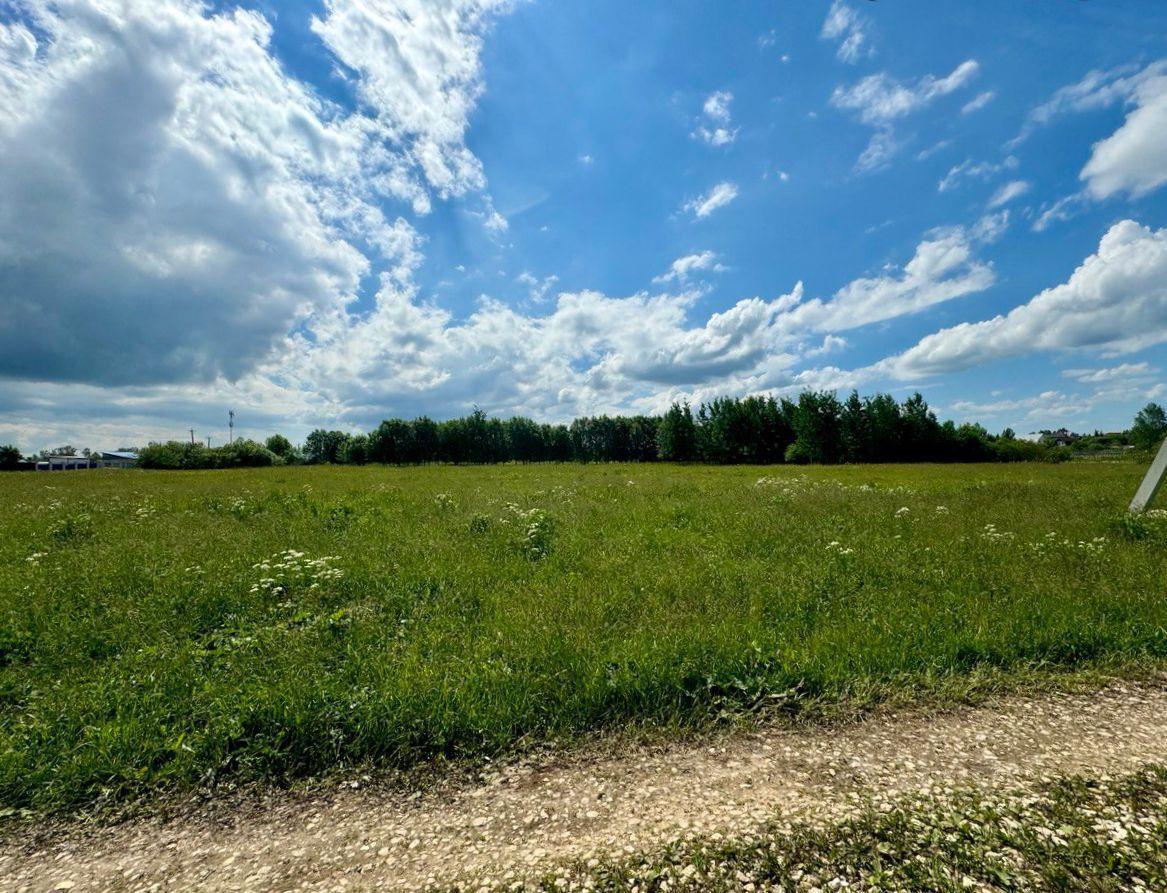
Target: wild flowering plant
<point>535,530</point>
<point>291,569</point>
<point>993,535</point>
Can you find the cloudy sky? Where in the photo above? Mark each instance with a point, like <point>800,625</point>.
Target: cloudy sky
<point>326,212</point>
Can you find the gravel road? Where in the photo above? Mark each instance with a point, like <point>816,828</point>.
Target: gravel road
<point>531,815</point>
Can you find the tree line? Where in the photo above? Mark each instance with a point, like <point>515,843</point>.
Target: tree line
<point>816,427</point>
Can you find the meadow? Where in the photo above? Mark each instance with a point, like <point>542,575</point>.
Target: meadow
<point>164,631</point>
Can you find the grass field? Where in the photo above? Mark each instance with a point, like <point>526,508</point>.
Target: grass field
<point>166,630</point>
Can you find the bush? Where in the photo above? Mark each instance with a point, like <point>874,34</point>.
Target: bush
<point>177,454</point>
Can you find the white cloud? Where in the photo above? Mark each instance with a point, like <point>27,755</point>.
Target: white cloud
<point>1008,192</point>
<point>1054,408</point>
<point>1051,403</point>
<point>204,217</point>
<point>713,127</point>
<point>717,197</point>
<point>1115,302</point>
<point>942,269</point>
<point>880,100</point>
<point>848,27</point>
<point>684,267</point>
<point>161,165</point>
<point>716,106</point>
<point>715,136</point>
<point>1098,89</point>
<point>977,102</point>
<point>1133,160</point>
<point>537,288</point>
<point>1121,372</point>
<point>927,153</point>
<point>419,71</point>
<point>969,170</point>
<point>1062,209</point>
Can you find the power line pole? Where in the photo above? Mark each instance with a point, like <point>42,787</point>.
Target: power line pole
<point>1150,485</point>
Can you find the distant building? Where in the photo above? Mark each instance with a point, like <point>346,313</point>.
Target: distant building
<point>117,459</point>
<point>64,463</point>
<point>104,459</point>
<point>1061,437</point>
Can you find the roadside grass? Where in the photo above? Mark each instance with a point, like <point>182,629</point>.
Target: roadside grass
<point>164,631</point>
<point>1069,834</point>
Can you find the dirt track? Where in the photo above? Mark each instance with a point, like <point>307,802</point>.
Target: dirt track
<point>531,816</point>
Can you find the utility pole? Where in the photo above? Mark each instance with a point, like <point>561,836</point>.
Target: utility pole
<point>208,441</point>
<point>1150,485</point>
<point>231,426</point>
<point>192,435</point>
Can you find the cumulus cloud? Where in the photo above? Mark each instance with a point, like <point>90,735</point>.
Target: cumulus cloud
<point>845,25</point>
<point>418,69</point>
<point>1115,302</point>
<point>943,268</point>
<point>684,267</point>
<point>187,204</point>
<point>717,197</point>
<point>1133,160</point>
<point>880,100</point>
<point>713,127</point>
<point>164,203</point>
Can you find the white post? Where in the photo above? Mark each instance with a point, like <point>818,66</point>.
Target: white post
<point>1150,485</point>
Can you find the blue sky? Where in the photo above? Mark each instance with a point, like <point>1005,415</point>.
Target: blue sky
<point>332,212</point>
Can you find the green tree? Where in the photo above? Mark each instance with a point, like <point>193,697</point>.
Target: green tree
<point>324,446</point>
<point>280,446</point>
<point>1150,426</point>
<point>355,450</point>
<point>855,430</point>
<point>392,442</point>
<point>9,457</point>
<point>816,429</point>
<point>676,435</point>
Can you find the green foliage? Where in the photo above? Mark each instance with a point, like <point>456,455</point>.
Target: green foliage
<point>1150,427</point>
<point>325,447</point>
<point>677,435</point>
<point>9,457</point>
<point>165,631</point>
<point>282,448</point>
<point>818,429</point>
<point>177,454</point>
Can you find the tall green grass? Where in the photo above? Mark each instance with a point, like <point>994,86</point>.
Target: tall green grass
<point>462,611</point>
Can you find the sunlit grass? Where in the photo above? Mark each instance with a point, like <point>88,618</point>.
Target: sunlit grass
<point>176,629</point>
